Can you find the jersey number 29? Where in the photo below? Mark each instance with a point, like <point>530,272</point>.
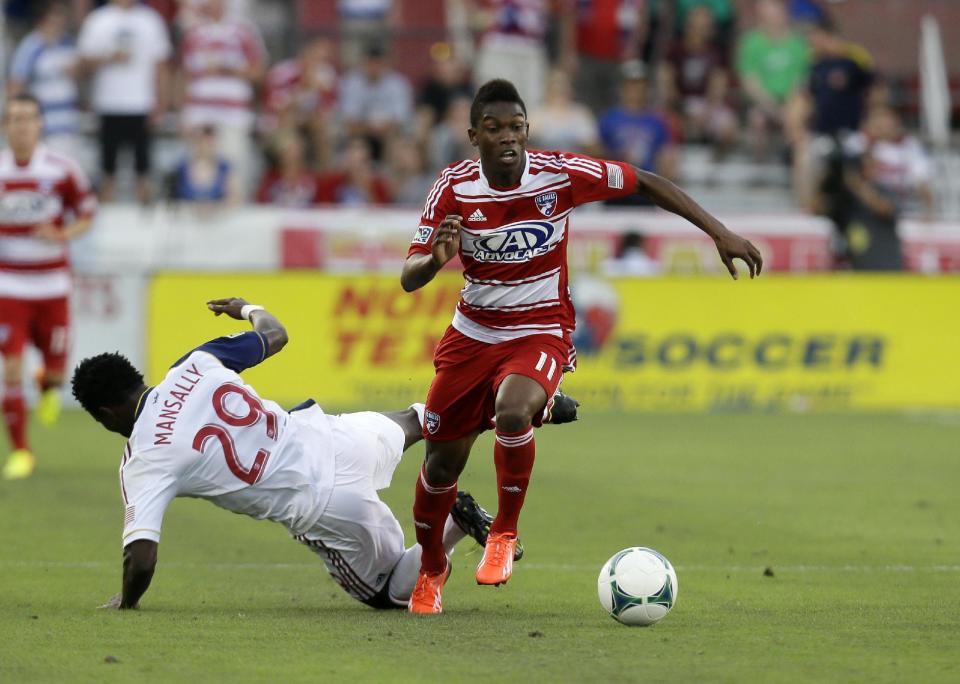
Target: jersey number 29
<point>255,410</point>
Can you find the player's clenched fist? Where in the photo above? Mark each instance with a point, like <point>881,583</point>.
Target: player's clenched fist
<point>446,243</point>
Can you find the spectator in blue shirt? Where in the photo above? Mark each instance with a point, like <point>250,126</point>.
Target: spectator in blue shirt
<point>204,178</point>
<point>636,133</point>
<point>44,65</point>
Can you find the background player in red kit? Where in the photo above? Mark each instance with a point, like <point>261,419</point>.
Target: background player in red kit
<point>503,357</point>
<point>45,201</point>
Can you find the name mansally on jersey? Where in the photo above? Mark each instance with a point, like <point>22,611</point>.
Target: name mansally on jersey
<point>204,433</point>
<point>513,242</point>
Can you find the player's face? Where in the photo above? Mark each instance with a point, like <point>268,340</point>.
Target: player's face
<point>22,125</point>
<point>501,138</point>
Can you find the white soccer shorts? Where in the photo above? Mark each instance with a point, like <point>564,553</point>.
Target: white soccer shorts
<point>358,537</point>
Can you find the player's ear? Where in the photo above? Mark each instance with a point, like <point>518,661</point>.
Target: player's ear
<point>472,134</point>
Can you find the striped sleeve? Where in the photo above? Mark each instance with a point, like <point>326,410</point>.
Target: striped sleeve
<point>595,180</point>
<point>440,202</point>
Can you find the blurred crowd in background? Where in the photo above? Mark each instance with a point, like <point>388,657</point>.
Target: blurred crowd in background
<point>220,101</point>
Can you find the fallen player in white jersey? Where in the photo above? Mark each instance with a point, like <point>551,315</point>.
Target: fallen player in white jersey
<point>203,432</point>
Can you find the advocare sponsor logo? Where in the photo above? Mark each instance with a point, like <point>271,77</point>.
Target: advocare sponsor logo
<point>515,242</point>
<point>27,206</point>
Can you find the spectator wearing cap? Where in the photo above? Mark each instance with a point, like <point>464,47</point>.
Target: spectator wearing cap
<point>636,133</point>
<point>125,46</point>
<point>223,61</point>
<point>597,36</point>
<point>695,84</point>
<point>45,65</point>
<point>772,64</point>
<point>514,45</point>
<point>376,101</point>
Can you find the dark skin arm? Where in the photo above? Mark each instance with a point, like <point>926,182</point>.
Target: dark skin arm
<point>263,322</point>
<point>139,562</point>
<point>730,246</point>
<point>420,269</point>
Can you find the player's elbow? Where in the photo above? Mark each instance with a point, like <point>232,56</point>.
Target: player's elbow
<point>408,282</point>
<point>277,339</point>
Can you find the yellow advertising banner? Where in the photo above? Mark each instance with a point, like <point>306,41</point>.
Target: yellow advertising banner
<point>699,344</point>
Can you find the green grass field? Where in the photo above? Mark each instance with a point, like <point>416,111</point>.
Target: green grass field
<point>857,516</point>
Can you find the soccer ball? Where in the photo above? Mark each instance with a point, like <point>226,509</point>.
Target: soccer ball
<point>638,586</point>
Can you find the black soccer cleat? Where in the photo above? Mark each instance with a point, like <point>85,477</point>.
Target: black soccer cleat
<point>564,409</point>
<point>475,521</point>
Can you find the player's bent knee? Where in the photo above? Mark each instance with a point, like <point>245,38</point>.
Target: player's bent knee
<point>514,420</point>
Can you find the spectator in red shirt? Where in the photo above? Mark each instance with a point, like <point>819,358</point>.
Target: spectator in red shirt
<point>695,82</point>
<point>356,183</point>
<point>290,183</point>
<point>598,36</point>
<point>301,93</point>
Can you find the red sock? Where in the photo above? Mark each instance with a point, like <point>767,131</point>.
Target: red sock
<point>15,415</point>
<point>431,506</point>
<point>513,455</point>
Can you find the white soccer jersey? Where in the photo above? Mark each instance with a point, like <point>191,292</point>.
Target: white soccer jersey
<point>204,433</point>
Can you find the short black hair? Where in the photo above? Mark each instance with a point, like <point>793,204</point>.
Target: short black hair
<point>105,380</point>
<point>497,90</point>
<point>22,97</point>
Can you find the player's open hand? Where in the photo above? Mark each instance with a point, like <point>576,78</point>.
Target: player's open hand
<point>731,246</point>
<point>230,306</point>
<point>446,243</point>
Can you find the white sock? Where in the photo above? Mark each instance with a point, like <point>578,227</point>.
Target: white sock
<point>452,534</point>
<point>407,569</point>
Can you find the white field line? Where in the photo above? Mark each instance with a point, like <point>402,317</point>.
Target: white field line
<point>536,567</point>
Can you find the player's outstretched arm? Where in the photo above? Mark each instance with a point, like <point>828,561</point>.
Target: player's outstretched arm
<point>420,269</point>
<point>730,246</point>
<point>262,320</point>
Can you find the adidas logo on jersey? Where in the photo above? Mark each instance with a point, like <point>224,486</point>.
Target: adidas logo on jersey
<point>477,215</point>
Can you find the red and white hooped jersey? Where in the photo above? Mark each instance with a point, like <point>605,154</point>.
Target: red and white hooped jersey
<point>45,190</point>
<point>513,242</point>
<point>220,99</point>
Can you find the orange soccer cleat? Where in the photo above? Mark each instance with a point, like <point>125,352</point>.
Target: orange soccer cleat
<point>496,566</point>
<point>427,596</point>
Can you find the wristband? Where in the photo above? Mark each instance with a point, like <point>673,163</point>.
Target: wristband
<point>248,309</point>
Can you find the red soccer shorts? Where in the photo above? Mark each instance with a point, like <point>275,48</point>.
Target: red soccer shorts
<point>42,322</point>
<point>462,396</point>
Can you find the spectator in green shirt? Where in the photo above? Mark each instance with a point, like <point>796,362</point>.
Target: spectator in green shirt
<point>772,63</point>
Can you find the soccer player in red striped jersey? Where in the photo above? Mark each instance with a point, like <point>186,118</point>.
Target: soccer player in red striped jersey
<point>45,201</point>
<point>501,361</point>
